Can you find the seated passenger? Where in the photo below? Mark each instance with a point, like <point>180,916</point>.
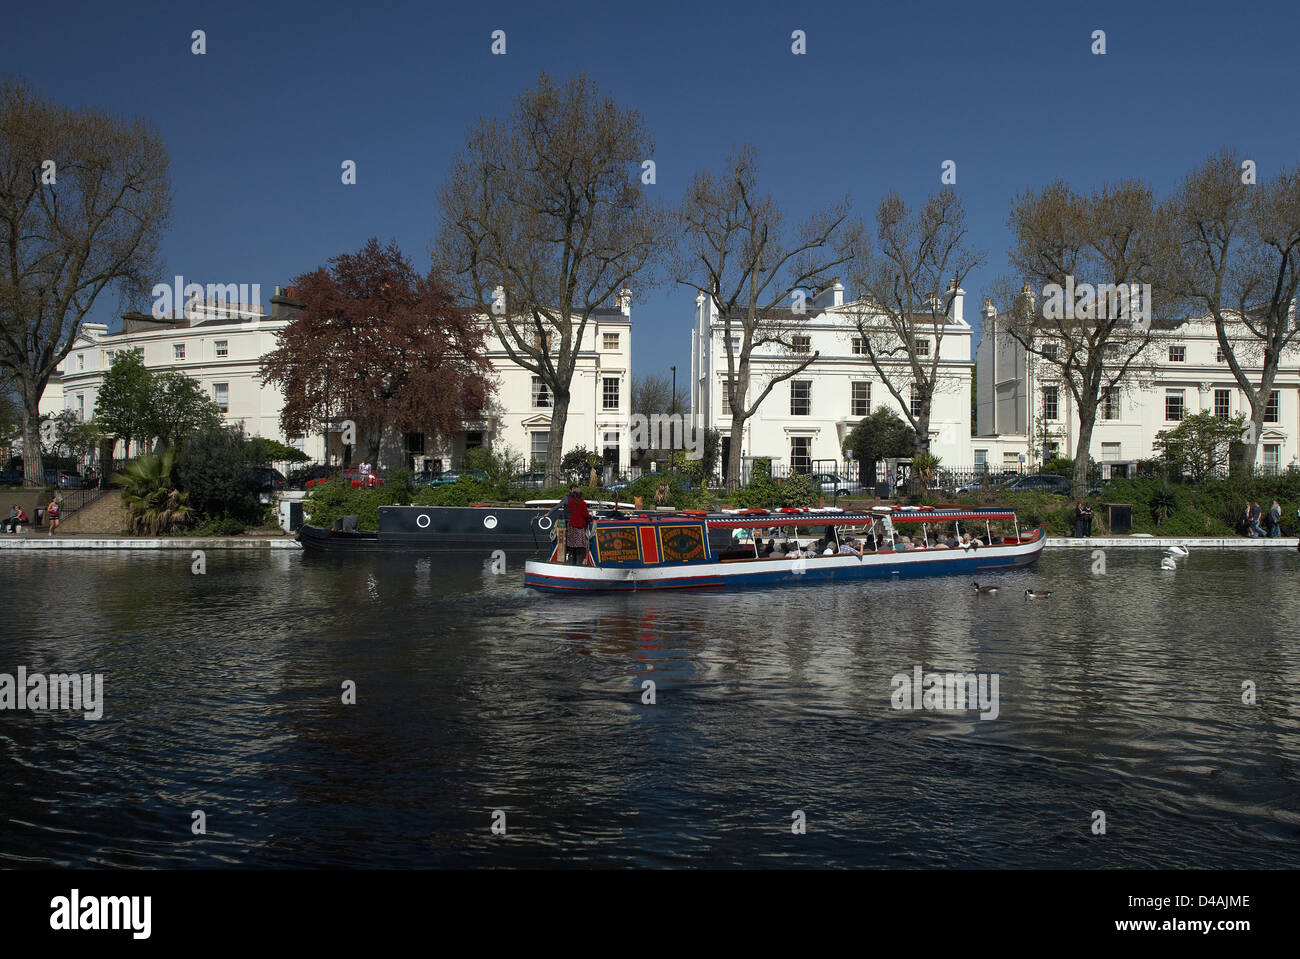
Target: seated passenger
<point>851,547</point>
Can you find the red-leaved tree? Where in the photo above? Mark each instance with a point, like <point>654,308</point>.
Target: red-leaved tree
<point>381,345</point>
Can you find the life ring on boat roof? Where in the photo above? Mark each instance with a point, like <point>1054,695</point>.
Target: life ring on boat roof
<point>478,505</point>
<point>695,512</point>
<point>791,509</point>
<point>753,512</point>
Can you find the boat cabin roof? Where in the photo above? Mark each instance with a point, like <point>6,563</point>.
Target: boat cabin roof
<point>759,519</point>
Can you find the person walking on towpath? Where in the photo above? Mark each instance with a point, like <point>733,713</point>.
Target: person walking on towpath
<point>1256,515</point>
<point>1275,520</point>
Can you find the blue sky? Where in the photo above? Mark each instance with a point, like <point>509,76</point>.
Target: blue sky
<point>258,127</point>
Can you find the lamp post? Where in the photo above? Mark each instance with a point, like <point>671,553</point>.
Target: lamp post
<point>673,428</point>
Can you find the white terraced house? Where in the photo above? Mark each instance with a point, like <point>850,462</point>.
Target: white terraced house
<point>1020,398</point>
<point>222,347</point>
<point>600,400</point>
<point>808,418</point>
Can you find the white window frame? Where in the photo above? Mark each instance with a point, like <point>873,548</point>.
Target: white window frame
<point>1055,414</point>
<point>1181,396</point>
<point>532,445</point>
<point>1110,408</point>
<point>853,398</point>
<point>1273,408</point>
<point>540,394</point>
<point>806,398</point>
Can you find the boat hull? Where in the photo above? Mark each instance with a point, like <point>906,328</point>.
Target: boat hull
<point>783,572</point>
<point>436,529</point>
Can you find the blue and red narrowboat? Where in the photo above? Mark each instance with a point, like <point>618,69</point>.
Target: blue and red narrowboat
<point>674,551</point>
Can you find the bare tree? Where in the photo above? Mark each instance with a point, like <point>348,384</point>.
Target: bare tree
<point>1084,253</point>
<point>900,317</point>
<point>544,221</point>
<point>654,394</point>
<point>83,200</point>
<point>739,252</point>
<point>1239,262</point>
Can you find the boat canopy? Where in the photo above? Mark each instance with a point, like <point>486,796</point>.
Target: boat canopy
<point>759,519</point>
<point>940,515</point>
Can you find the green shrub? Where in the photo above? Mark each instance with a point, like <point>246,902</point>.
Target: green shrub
<point>213,470</point>
<point>220,527</point>
<point>399,481</point>
<point>500,467</point>
<point>1060,466</point>
<point>764,492</point>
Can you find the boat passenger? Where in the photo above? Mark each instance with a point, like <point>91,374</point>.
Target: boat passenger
<point>851,547</point>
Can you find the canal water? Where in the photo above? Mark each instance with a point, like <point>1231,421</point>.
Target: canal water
<point>478,703</point>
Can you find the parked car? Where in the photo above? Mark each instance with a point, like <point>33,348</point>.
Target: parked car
<point>66,479</point>
<point>446,477</point>
<point>265,479</point>
<point>1040,483</point>
<point>531,480</point>
<point>657,475</point>
<point>984,484</point>
<point>626,483</point>
<point>835,484</point>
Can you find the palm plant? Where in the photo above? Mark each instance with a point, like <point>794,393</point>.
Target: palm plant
<point>149,493</point>
<point>663,494</point>
<point>925,466</point>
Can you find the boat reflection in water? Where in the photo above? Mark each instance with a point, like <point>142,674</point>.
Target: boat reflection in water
<point>674,551</point>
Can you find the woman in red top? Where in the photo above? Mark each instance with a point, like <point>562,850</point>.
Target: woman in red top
<point>575,533</point>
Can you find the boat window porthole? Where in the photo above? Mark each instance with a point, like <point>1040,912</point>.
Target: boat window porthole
<point>490,522</point>
<point>422,521</point>
<point>544,522</point>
